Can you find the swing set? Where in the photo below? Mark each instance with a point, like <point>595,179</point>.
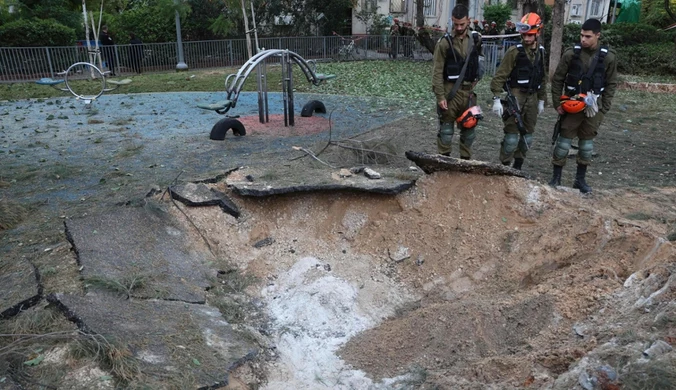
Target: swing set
<point>235,82</point>
<point>86,70</point>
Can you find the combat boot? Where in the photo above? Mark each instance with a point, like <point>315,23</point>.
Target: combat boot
<point>556,177</point>
<point>518,162</point>
<point>579,183</point>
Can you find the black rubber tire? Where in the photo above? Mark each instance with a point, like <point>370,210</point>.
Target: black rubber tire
<point>221,127</point>
<point>311,107</point>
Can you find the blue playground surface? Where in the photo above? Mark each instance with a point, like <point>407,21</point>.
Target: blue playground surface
<point>55,150</point>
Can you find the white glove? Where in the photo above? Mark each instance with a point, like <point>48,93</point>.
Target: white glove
<point>541,106</point>
<point>591,106</point>
<point>497,107</point>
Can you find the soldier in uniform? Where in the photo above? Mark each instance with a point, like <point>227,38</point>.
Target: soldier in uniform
<point>523,69</point>
<point>494,29</point>
<point>583,87</point>
<point>510,28</point>
<point>450,54</point>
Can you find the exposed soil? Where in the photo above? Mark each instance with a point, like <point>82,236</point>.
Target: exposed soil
<point>463,282</point>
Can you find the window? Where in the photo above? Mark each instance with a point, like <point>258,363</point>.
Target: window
<point>369,5</point>
<point>576,10</point>
<point>595,10</point>
<point>430,7</point>
<point>397,6</point>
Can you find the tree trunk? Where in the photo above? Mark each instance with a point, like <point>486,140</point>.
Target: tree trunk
<point>423,35</point>
<point>558,13</point>
<point>420,14</point>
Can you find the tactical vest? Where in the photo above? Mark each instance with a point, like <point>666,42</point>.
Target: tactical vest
<point>578,81</point>
<point>526,75</point>
<point>455,62</point>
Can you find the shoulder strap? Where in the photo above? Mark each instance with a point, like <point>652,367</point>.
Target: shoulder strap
<point>598,59</point>
<point>461,76</point>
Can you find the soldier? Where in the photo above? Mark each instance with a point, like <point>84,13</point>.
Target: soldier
<point>494,29</point>
<point>510,28</point>
<point>477,26</point>
<point>523,69</point>
<point>456,70</point>
<point>587,76</point>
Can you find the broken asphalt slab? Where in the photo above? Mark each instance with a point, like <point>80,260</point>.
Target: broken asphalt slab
<point>430,163</point>
<point>168,339</point>
<point>141,251</point>
<point>266,181</point>
<point>199,194</point>
<point>20,288</point>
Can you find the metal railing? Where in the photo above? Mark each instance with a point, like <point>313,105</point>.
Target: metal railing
<point>32,63</point>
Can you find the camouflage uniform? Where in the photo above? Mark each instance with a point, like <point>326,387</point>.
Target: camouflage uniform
<point>528,102</point>
<point>462,43</point>
<point>578,125</point>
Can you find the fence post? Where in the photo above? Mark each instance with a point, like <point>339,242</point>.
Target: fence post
<point>49,61</point>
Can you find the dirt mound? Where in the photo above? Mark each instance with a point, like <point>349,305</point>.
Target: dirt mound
<point>471,280</point>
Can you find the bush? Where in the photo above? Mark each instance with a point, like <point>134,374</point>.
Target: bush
<point>36,32</point>
<point>499,13</point>
<point>647,58</point>
<point>625,34</point>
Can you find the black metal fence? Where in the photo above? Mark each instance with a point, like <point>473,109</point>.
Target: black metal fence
<point>33,63</point>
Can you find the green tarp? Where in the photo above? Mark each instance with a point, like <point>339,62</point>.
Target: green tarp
<point>630,13</point>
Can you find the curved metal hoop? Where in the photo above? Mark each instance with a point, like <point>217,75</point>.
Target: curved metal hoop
<point>84,97</point>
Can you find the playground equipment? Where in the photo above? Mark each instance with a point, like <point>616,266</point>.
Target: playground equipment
<point>79,70</point>
<point>235,82</point>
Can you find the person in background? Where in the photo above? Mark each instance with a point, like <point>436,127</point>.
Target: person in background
<point>394,39</point>
<point>494,29</point>
<point>135,52</point>
<point>108,49</point>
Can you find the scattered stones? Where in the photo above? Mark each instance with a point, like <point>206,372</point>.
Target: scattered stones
<point>371,174</point>
<point>264,242</point>
<point>344,173</point>
<point>400,254</point>
<point>658,348</point>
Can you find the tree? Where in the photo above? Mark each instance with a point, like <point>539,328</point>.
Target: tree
<point>558,13</point>
<point>499,13</point>
<point>304,14</point>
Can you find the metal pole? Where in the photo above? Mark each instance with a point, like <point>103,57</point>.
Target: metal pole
<point>255,30</point>
<point>612,19</point>
<point>451,5</point>
<point>179,44</point>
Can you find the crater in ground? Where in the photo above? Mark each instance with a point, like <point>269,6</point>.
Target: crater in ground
<point>464,281</point>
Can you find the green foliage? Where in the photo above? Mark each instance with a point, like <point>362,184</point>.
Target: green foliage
<point>335,16</point>
<point>145,22</point>
<point>499,13</point>
<point>36,32</point>
<point>61,10</point>
<point>375,23</point>
<point>547,17</point>
<point>647,58</point>
<point>654,13</point>
<point>626,34</point>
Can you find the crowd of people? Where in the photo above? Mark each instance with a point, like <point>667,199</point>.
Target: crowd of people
<point>582,90</point>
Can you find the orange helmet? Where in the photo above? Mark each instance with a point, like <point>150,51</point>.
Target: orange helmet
<point>530,24</point>
<point>470,117</point>
<point>574,104</point>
